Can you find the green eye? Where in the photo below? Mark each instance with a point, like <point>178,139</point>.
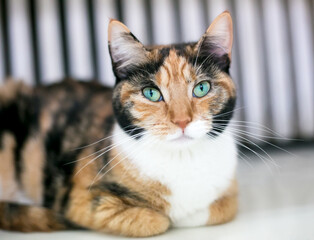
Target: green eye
<point>201,89</point>
<point>152,94</point>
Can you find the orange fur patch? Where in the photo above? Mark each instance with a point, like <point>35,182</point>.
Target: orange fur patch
<point>225,208</point>
<point>11,88</point>
<point>152,191</point>
<point>33,158</point>
<point>116,215</point>
<point>9,186</point>
<point>29,218</point>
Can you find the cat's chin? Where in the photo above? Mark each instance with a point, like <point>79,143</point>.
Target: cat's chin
<point>183,139</point>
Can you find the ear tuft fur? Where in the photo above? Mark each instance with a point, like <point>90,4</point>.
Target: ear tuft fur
<point>216,43</point>
<point>221,33</point>
<point>125,50</point>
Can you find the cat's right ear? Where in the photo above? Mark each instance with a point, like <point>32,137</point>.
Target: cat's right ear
<point>125,50</point>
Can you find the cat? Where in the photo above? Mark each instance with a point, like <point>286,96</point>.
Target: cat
<point>152,153</point>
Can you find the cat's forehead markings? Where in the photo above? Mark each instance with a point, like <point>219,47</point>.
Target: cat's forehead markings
<point>174,69</point>
<point>163,76</point>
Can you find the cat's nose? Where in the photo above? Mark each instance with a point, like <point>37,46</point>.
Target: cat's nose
<point>183,123</point>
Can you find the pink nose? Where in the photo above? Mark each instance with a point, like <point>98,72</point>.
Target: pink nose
<point>182,123</point>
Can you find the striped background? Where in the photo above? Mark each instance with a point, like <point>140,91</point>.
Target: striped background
<point>42,41</point>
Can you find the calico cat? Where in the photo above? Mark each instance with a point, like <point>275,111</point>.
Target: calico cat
<point>152,153</point>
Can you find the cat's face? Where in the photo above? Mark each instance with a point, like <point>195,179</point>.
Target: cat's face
<point>174,93</point>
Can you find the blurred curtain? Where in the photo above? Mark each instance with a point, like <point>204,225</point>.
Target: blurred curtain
<point>43,41</point>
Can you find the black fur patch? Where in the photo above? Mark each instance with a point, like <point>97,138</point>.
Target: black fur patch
<point>125,119</point>
<point>56,168</point>
<point>221,120</point>
<point>69,224</point>
<point>20,118</point>
<point>65,199</point>
<point>1,141</point>
<point>10,210</point>
<point>71,123</point>
<point>208,64</point>
<point>141,71</point>
<point>208,57</point>
<point>53,151</point>
<point>109,122</point>
<point>118,190</point>
<point>57,172</point>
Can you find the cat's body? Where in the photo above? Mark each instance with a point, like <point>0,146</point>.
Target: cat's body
<point>192,175</point>
<point>166,157</point>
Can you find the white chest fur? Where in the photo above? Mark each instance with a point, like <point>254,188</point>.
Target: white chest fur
<point>196,175</point>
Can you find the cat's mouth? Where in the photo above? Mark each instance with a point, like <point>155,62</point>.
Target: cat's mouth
<point>182,139</point>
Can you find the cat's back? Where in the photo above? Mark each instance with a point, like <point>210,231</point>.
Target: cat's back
<point>39,129</point>
<point>13,92</point>
<point>26,110</point>
<point>70,90</point>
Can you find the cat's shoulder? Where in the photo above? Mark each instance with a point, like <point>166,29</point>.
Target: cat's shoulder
<point>11,88</point>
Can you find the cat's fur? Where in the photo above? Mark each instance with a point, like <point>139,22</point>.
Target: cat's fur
<point>167,163</point>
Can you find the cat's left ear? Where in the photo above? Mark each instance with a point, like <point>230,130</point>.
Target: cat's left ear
<point>125,50</point>
<point>217,40</point>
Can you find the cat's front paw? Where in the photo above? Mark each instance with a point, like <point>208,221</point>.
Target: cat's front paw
<point>223,210</point>
<point>138,222</point>
<point>149,223</point>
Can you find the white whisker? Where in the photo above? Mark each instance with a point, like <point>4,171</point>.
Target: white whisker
<point>98,141</point>
<point>265,160</point>
<point>103,149</point>
<point>99,172</point>
<point>198,52</point>
<point>89,162</point>
<point>257,137</point>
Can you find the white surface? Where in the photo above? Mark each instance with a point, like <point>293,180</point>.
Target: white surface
<point>274,204</point>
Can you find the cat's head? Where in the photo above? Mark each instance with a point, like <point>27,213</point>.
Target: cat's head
<point>174,93</point>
